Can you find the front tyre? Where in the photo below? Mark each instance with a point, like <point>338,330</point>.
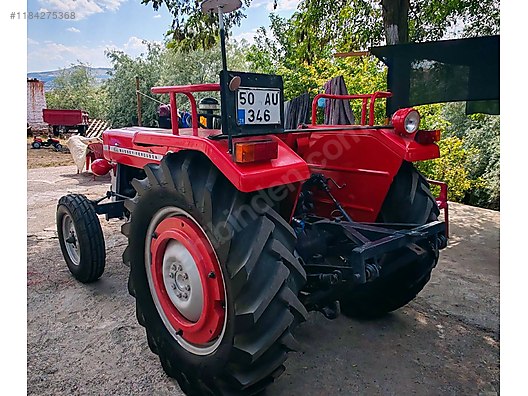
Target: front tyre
<point>80,237</point>
<point>410,201</point>
<point>214,277</point>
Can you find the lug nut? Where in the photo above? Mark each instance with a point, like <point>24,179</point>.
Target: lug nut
<point>173,286</point>
<point>179,295</point>
<point>179,267</point>
<point>185,276</point>
<point>188,288</point>
<point>185,295</point>
<point>171,275</point>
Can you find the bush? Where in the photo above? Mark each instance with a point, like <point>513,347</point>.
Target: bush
<point>450,168</point>
<point>470,154</point>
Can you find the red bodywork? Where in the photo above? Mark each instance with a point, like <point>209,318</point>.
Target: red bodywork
<point>65,117</point>
<point>49,141</point>
<point>361,159</point>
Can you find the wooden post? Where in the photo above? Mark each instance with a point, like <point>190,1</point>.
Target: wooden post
<point>349,54</point>
<point>138,101</point>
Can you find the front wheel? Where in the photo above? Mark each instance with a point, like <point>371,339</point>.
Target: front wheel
<point>410,201</point>
<point>80,237</point>
<point>36,145</point>
<point>214,277</point>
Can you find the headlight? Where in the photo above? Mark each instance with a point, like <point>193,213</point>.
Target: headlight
<point>406,121</point>
<point>412,122</point>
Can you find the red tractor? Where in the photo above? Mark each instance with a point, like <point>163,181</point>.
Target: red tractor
<point>38,142</point>
<point>235,234</point>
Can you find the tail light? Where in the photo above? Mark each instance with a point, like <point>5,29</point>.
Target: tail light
<point>406,121</point>
<point>254,151</point>
<point>428,137</point>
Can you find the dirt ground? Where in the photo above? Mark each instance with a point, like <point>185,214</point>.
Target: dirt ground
<point>84,339</point>
<point>47,156</point>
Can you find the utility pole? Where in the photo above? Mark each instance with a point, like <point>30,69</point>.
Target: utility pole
<point>138,101</point>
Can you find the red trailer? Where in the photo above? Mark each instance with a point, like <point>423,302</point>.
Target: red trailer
<point>60,119</point>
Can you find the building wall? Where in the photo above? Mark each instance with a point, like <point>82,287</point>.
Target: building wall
<point>36,101</point>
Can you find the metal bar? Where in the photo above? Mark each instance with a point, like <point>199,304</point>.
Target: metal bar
<point>318,128</point>
<point>372,97</point>
<point>194,113</point>
<point>399,239</point>
<point>442,202</point>
<point>376,95</point>
<point>186,88</point>
<point>350,232</point>
<point>174,114</point>
<point>222,37</point>
<point>374,228</point>
<point>364,112</point>
<point>111,209</point>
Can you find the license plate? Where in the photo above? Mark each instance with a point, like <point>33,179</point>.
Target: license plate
<point>258,106</point>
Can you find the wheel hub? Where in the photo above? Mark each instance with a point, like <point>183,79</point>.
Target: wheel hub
<point>179,260</point>
<point>70,239</point>
<point>181,279</point>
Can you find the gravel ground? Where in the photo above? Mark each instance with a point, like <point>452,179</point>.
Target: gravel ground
<point>47,156</point>
<point>84,339</point>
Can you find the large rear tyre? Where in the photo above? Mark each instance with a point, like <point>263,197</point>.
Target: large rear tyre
<point>214,277</point>
<point>80,237</point>
<point>409,201</point>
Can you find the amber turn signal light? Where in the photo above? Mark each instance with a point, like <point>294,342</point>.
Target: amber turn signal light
<point>254,151</point>
<point>428,137</point>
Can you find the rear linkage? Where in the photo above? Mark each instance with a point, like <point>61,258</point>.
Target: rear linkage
<point>341,253</point>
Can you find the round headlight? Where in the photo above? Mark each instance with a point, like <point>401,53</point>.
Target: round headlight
<point>406,121</point>
<point>412,122</point>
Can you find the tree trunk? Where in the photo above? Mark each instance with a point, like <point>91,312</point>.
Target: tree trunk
<point>396,26</point>
<point>395,21</point>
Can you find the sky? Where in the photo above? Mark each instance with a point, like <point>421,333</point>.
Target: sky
<point>114,24</point>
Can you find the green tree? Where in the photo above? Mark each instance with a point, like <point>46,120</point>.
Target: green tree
<point>470,150</point>
<point>121,86</point>
<point>76,88</point>
<point>160,66</point>
<point>480,132</point>
<point>344,24</point>
<point>279,50</point>
<point>451,168</point>
<point>191,29</point>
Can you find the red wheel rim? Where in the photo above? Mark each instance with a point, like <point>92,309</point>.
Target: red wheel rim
<point>211,319</point>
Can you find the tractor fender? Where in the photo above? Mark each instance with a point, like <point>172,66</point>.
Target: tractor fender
<point>362,162</point>
<point>406,147</point>
<point>138,147</point>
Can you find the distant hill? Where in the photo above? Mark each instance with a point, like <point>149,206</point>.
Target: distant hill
<point>48,77</point>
